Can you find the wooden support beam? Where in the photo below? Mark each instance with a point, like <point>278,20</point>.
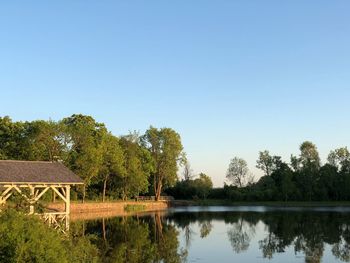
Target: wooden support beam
<point>58,193</point>
<point>5,195</point>
<point>41,194</point>
<point>31,199</point>
<point>67,206</point>
<point>63,192</point>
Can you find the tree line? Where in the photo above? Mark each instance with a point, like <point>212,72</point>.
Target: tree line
<point>111,166</point>
<point>304,178</point>
<point>122,167</point>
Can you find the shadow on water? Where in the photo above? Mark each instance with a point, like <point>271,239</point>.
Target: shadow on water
<point>169,237</point>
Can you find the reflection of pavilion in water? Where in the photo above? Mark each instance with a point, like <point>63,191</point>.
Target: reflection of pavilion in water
<point>30,181</point>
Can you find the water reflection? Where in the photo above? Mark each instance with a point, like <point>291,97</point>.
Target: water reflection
<point>240,234</point>
<point>176,237</point>
<point>134,239</point>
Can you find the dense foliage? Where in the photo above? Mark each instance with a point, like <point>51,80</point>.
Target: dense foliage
<point>198,188</point>
<point>112,167</point>
<point>303,179</point>
<point>26,238</point>
<point>124,167</point>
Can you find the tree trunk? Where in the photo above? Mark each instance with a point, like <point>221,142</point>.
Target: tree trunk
<point>84,193</point>
<point>155,185</point>
<point>104,189</point>
<point>104,229</point>
<point>158,191</point>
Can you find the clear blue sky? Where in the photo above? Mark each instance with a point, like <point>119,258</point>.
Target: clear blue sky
<point>232,77</point>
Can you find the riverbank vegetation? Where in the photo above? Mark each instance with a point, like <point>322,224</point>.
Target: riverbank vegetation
<point>303,179</point>
<point>112,167</point>
<point>26,238</point>
<point>124,167</point>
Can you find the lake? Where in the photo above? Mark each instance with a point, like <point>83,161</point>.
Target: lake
<point>224,234</point>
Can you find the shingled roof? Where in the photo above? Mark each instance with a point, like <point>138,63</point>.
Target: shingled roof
<point>36,172</point>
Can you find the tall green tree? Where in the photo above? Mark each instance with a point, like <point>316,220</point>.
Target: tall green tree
<point>340,158</point>
<point>308,170</point>
<point>268,163</point>
<point>13,140</point>
<point>138,166</point>
<point>265,162</point>
<point>203,185</point>
<point>187,171</point>
<point>329,183</point>
<point>238,172</point>
<point>309,155</point>
<point>283,178</point>
<point>46,140</point>
<point>113,161</point>
<point>85,153</point>
<point>166,150</point>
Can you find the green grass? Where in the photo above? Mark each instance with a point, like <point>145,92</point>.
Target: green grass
<point>134,208</point>
<point>214,202</point>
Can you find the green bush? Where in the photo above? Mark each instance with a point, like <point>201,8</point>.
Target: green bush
<point>26,238</point>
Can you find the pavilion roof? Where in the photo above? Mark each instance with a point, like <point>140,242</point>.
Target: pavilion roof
<point>39,172</point>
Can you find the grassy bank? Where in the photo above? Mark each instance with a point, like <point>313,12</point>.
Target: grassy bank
<point>214,202</point>
<point>134,208</point>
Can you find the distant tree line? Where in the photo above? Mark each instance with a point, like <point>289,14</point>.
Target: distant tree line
<point>304,178</point>
<point>111,166</point>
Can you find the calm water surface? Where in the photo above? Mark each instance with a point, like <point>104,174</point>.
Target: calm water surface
<point>224,234</point>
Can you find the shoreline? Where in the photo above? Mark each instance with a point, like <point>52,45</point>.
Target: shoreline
<point>95,210</point>
<point>215,202</point>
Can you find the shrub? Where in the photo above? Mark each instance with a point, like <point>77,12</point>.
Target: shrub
<point>25,238</point>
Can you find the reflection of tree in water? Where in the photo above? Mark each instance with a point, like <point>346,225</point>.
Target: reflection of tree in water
<point>270,245</point>
<point>341,250</point>
<point>166,238</point>
<point>154,238</point>
<point>240,235</point>
<point>136,240</point>
<point>313,249</point>
<point>205,228</point>
<point>307,232</point>
<point>188,233</point>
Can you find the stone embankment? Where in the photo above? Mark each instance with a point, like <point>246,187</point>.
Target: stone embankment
<point>95,210</point>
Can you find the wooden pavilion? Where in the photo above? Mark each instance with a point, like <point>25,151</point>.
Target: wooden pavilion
<point>32,179</point>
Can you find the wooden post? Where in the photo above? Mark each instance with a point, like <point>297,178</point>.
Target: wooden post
<point>67,206</point>
<point>31,200</point>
